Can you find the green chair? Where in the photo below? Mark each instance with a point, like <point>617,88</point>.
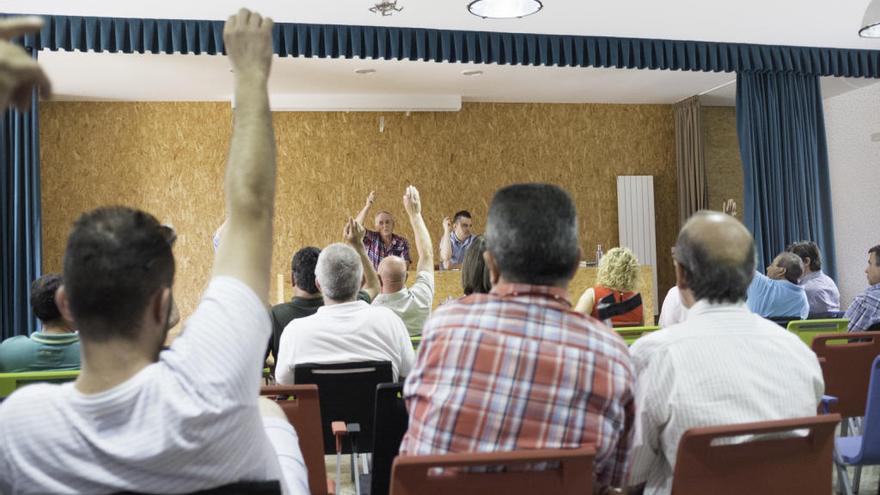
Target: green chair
<point>9,382</point>
<point>807,329</point>
<point>416,340</point>
<point>631,334</point>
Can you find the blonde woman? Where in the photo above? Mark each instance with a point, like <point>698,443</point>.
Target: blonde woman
<point>613,297</point>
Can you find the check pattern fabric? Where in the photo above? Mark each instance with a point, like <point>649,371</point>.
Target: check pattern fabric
<point>518,369</point>
<point>864,311</point>
<point>377,250</point>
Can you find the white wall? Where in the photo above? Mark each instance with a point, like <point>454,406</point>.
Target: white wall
<point>850,121</point>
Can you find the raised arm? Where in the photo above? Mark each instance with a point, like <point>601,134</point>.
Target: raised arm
<point>362,215</point>
<point>412,203</point>
<point>446,244</point>
<point>245,250</point>
<point>354,234</point>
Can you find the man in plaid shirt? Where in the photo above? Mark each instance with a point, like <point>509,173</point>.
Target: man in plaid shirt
<point>517,368</point>
<point>864,312</point>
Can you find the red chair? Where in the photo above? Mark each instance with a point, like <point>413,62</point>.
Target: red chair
<point>771,464</point>
<point>846,360</point>
<point>573,474</point>
<point>300,404</point>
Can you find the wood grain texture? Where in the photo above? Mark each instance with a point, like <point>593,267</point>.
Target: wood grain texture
<point>724,171</point>
<point>168,158</point>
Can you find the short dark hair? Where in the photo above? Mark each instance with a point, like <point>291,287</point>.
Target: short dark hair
<point>43,297</point>
<point>116,259</point>
<point>876,251</point>
<point>302,266</point>
<point>532,233</point>
<point>794,266</point>
<point>461,214</point>
<point>717,281</point>
<point>807,249</point>
<point>474,272</point>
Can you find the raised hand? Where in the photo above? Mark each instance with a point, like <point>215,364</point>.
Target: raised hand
<point>371,198</point>
<point>447,224</point>
<point>247,37</point>
<point>353,233</point>
<point>412,203</point>
<point>19,72</point>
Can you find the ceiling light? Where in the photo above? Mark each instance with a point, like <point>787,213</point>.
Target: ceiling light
<point>472,72</point>
<point>871,21</point>
<point>364,71</point>
<point>386,8</point>
<point>506,9</point>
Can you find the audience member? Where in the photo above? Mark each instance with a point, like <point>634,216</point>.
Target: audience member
<point>413,304</point>
<point>55,347</point>
<point>613,298</point>
<point>777,294</point>
<point>864,312</point>
<point>673,311</point>
<point>516,368</point>
<point>383,241</point>
<point>822,293</point>
<point>19,72</point>
<point>344,329</point>
<point>724,364</point>
<point>456,238</point>
<point>189,418</point>
<point>474,272</point>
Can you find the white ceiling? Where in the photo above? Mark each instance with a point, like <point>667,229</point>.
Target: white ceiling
<point>80,76</point>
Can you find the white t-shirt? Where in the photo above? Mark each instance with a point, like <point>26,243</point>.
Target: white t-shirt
<point>187,422</point>
<point>412,305</point>
<point>345,333</point>
<point>673,311</point>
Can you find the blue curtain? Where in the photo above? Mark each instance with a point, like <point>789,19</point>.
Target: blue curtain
<point>21,242</point>
<point>114,34</point>
<point>781,130</point>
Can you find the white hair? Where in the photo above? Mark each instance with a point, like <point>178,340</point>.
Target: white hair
<point>339,272</point>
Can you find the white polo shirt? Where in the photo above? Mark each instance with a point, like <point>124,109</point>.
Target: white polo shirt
<point>413,304</point>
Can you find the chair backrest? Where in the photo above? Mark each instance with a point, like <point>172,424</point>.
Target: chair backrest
<point>570,471</point>
<point>9,382</point>
<point>808,329</point>
<point>301,405</point>
<point>348,393</point>
<point>631,334</point>
<point>416,341</point>
<point>390,425</point>
<point>846,366</point>
<point>783,321</point>
<point>871,426</point>
<point>770,464</point>
<point>237,488</point>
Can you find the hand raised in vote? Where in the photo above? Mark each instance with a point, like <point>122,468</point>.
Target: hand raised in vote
<point>371,198</point>
<point>247,37</point>
<point>412,203</point>
<point>447,224</point>
<point>353,233</point>
<point>19,72</point>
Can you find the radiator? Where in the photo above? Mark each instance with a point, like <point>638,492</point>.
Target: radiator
<point>635,222</point>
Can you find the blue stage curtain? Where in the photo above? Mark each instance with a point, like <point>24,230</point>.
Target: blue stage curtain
<point>112,34</point>
<point>781,130</point>
<point>21,242</point>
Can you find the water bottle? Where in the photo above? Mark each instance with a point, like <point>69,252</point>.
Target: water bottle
<point>599,253</point>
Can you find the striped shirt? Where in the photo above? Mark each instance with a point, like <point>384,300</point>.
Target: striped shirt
<point>822,292</point>
<point>864,312</point>
<point>518,369</point>
<point>723,365</point>
<point>459,248</point>
<point>187,422</point>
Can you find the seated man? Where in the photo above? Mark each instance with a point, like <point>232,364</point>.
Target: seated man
<point>55,347</point>
<point>724,364</point>
<point>864,312</point>
<point>344,329</point>
<point>822,292</point>
<point>383,241</point>
<point>413,304</point>
<point>516,368</point>
<point>189,418</point>
<point>778,295</point>
<point>454,244</point>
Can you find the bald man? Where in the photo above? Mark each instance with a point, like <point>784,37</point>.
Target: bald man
<point>724,364</point>
<point>777,294</point>
<point>412,304</point>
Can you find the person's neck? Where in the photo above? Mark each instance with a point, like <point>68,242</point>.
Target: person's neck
<point>332,302</point>
<point>387,238</point>
<point>562,284</point>
<point>392,287</point>
<point>459,237</point>
<point>53,328</point>
<point>108,364</point>
<point>301,294</point>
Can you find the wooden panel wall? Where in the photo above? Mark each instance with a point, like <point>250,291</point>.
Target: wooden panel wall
<point>168,158</point>
<point>724,172</point>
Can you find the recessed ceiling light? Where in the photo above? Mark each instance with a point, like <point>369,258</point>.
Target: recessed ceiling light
<point>472,72</point>
<point>364,71</point>
<point>504,9</point>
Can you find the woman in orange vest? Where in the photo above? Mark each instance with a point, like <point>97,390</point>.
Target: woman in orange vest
<point>613,299</point>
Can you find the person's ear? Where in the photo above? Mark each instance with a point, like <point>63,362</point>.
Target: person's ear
<point>381,283</point>
<point>494,274</point>
<point>161,306</point>
<point>318,285</point>
<point>681,280</point>
<point>63,304</point>
<point>292,279</point>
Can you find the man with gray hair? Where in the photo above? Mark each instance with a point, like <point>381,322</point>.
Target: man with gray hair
<point>777,294</point>
<point>345,329</point>
<point>718,366</point>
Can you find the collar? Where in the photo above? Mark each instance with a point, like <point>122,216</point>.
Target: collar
<point>705,307</point>
<point>55,338</point>
<point>394,296</point>
<point>342,307</point>
<point>555,294</point>
<point>811,276</point>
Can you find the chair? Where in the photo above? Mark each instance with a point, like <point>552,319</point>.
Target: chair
<point>783,321</point>
<point>416,341</point>
<point>9,382</point>
<point>631,334</point>
<point>762,466</point>
<point>807,329</point>
<point>300,404</point>
<point>390,425</point>
<point>864,449</point>
<point>238,488</point>
<point>572,474</point>
<point>846,360</point>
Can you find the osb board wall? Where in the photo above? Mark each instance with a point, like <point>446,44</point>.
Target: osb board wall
<point>724,173</point>
<point>168,158</point>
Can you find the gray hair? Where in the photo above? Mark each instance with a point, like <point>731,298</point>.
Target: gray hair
<point>793,265</point>
<point>339,272</point>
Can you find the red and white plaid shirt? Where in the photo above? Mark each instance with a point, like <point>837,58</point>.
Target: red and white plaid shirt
<point>518,369</point>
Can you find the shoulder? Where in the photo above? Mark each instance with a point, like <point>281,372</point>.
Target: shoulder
<point>370,234</point>
<point>28,401</point>
<point>15,342</point>
<point>425,277</point>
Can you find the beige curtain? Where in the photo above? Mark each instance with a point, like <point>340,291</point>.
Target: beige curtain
<point>693,193</point>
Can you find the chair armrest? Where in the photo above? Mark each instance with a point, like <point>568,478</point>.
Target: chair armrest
<point>827,402</point>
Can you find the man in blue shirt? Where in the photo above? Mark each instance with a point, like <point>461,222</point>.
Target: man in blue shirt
<point>864,312</point>
<point>457,237</point>
<point>778,295</point>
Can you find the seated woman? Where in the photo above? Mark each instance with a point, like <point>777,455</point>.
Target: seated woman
<point>612,299</point>
<point>474,273</point>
